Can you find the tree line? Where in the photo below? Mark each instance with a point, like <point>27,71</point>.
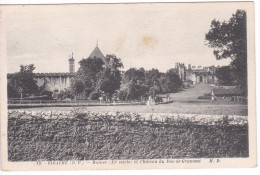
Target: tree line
<point>229,40</point>
<point>95,79</point>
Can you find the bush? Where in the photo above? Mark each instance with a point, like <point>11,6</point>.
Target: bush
<point>186,84</point>
<point>122,95</point>
<point>12,92</point>
<point>65,94</point>
<point>48,93</point>
<point>205,96</point>
<point>94,95</point>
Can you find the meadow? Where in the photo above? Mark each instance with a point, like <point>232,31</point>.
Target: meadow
<point>183,102</point>
<point>210,108</point>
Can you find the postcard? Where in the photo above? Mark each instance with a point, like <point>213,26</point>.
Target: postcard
<point>127,86</point>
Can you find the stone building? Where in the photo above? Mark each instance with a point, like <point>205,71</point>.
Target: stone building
<point>57,82</point>
<point>72,64</point>
<point>181,71</point>
<point>195,75</point>
<point>54,82</point>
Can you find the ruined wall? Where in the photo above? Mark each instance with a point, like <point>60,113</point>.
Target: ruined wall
<point>52,83</point>
<point>190,76</point>
<point>201,78</point>
<point>66,135</point>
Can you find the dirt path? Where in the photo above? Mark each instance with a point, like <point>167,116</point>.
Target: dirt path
<point>192,93</point>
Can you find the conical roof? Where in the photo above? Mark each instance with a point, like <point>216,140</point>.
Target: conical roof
<point>98,54</point>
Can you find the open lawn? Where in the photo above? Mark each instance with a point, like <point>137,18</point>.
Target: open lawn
<point>184,102</point>
<point>175,107</point>
<point>192,93</point>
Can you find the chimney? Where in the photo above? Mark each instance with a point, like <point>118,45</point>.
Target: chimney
<point>72,64</point>
<point>189,66</point>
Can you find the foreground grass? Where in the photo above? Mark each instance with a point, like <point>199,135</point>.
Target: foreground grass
<point>176,108</point>
<point>100,138</point>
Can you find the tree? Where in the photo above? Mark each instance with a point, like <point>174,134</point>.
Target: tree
<point>152,76</point>
<point>164,85</point>
<point>78,87</point>
<point>85,80</point>
<point>138,75</point>
<point>229,40</point>
<point>224,75</point>
<point>95,75</point>
<point>172,82</point>
<point>88,70</point>
<point>114,63</point>
<point>12,91</point>
<point>22,82</point>
<point>109,79</point>
<point>152,81</point>
<point>133,85</point>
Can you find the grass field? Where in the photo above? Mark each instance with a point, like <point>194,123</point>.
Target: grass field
<point>192,93</point>
<point>177,108</point>
<point>99,137</point>
<point>184,102</point>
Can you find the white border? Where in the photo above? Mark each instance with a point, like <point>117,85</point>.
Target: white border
<point>194,172</point>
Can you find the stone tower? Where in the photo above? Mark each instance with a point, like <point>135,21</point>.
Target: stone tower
<point>177,64</point>
<point>72,64</point>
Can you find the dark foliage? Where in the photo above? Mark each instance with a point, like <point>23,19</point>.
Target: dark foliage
<point>138,84</point>
<point>22,83</point>
<point>133,85</point>
<point>173,81</point>
<point>225,76</point>
<point>96,76</point>
<point>48,94</point>
<point>229,40</point>
<point>94,95</point>
<point>66,94</point>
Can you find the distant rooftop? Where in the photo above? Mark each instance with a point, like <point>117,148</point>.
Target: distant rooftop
<point>98,54</point>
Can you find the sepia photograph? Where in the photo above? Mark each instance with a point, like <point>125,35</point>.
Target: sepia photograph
<point>127,86</point>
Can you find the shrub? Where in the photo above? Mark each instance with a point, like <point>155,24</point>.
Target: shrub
<point>94,95</point>
<point>122,95</point>
<point>48,93</point>
<point>65,94</point>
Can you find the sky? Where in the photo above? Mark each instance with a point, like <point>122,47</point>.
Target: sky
<point>142,35</point>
